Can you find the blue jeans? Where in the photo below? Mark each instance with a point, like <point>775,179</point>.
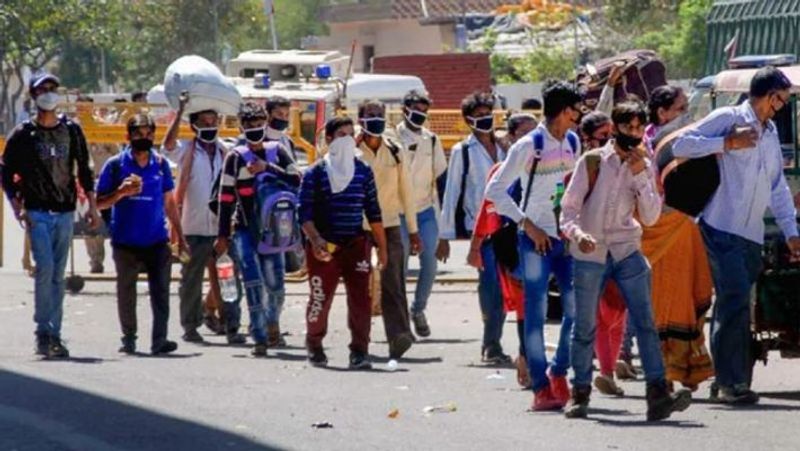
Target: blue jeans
<point>537,269</point>
<point>490,297</point>
<point>735,265</point>
<point>51,234</point>
<point>260,273</point>
<point>429,234</point>
<point>632,275</point>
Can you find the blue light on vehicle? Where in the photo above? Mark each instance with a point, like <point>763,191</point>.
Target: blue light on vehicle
<point>323,71</point>
<point>262,80</point>
<point>756,61</point>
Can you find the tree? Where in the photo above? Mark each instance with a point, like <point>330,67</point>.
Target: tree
<point>682,43</point>
<point>34,34</point>
<point>150,34</point>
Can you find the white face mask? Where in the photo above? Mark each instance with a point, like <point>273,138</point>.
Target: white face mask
<point>341,146</point>
<point>47,101</point>
<point>340,162</point>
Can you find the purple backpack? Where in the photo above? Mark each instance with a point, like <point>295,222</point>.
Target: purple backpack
<point>278,222</point>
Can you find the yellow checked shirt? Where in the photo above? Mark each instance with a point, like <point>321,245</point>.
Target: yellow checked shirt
<point>395,193</point>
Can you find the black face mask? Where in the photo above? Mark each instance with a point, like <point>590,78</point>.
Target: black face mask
<point>141,144</point>
<point>416,118</point>
<point>601,142</point>
<point>278,124</point>
<point>483,124</point>
<point>207,135</point>
<point>627,142</point>
<point>374,126</point>
<point>254,135</point>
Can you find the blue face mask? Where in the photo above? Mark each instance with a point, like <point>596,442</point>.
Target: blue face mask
<point>484,124</point>
<point>374,125</point>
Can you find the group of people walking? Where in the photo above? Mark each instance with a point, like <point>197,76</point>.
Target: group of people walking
<point>575,198</point>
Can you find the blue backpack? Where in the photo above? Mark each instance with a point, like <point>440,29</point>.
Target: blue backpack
<point>277,220</point>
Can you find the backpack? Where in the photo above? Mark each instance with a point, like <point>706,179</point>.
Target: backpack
<point>277,222</point>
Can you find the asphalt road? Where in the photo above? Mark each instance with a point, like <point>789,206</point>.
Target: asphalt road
<point>216,397</point>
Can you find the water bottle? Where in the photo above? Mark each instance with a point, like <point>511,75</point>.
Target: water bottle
<point>559,194</point>
<point>227,278</point>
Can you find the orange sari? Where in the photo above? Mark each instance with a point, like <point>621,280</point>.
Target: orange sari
<point>682,288</point>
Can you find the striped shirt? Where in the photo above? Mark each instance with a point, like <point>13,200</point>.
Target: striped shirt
<point>237,188</point>
<point>339,217</point>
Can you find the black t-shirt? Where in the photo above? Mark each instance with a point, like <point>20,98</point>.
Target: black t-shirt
<point>45,159</point>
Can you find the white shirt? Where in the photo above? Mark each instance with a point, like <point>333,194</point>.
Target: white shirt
<point>196,218</point>
<point>479,164</point>
<point>557,158</point>
<point>426,163</point>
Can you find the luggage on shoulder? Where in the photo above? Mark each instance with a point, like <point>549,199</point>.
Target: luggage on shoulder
<point>688,183</point>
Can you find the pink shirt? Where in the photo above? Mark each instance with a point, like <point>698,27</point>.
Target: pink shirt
<point>608,214</point>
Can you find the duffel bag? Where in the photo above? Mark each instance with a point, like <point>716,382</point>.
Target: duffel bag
<point>688,183</point>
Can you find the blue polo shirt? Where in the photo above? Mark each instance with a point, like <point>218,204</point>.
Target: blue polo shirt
<point>140,220</point>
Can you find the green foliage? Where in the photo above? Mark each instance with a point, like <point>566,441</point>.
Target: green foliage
<point>536,66</point>
<point>682,43</point>
<point>139,38</point>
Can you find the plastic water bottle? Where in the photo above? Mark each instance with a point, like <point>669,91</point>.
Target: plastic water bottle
<point>227,278</point>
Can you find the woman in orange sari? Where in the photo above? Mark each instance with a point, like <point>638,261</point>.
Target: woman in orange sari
<point>681,276</point>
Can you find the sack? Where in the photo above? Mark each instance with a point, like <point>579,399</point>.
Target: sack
<point>688,183</point>
<point>277,221</point>
<point>643,73</point>
<point>208,88</point>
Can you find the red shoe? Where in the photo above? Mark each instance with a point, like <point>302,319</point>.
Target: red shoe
<point>560,387</point>
<point>544,400</point>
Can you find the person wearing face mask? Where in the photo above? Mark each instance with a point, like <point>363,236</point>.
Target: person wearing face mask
<point>278,114</point>
<point>467,171</point>
<point>41,158</point>
<point>200,163</point>
<point>137,186</point>
<point>540,161</point>
<point>668,110</point>
<point>595,129</point>
<point>487,224</point>
<point>426,163</point>
<point>681,276</point>
<point>389,164</point>
<point>337,192</point>
<point>598,218</point>
<point>239,212</point>
<point>745,140</point>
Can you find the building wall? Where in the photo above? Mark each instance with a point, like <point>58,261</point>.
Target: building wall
<point>448,77</point>
<point>388,38</point>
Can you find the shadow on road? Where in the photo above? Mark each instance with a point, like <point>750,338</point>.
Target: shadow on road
<point>446,341</point>
<point>35,414</point>
<point>782,395</point>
